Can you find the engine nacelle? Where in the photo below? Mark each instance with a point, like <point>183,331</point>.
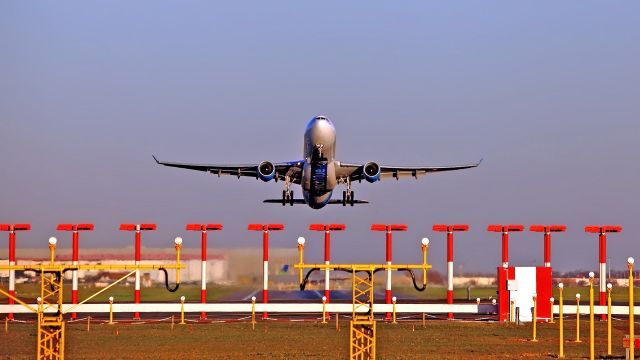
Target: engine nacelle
<point>266,171</point>
<point>371,172</point>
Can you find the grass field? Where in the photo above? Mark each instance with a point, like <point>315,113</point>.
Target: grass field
<point>125,293</point>
<point>311,340</point>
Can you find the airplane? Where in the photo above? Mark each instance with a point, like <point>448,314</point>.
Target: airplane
<point>318,172</point>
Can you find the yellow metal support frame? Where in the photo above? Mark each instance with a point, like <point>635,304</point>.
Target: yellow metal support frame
<point>362,327</point>
<point>51,325</point>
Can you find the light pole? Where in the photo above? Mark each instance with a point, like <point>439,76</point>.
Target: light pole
<point>561,320</point>
<point>301,242</point>
<point>505,229</point>
<point>12,228</point>
<point>52,249</point>
<point>137,228</point>
<point>203,228</point>
<point>327,228</point>
<point>75,228</point>
<point>265,228</point>
<point>602,240</point>
<point>388,229</point>
<point>609,287</point>
<point>449,229</point>
<point>632,337</point>
<point>591,325</point>
<point>578,318</point>
<point>110,309</point>
<point>547,230</point>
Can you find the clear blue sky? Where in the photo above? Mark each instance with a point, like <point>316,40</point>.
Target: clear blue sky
<point>547,92</point>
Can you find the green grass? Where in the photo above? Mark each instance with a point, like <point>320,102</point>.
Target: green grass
<point>297,340</point>
<point>122,293</point>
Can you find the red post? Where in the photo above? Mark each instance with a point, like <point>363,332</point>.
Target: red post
<point>137,228</point>
<point>388,229</point>
<point>327,250</point>
<point>505,229</point>
<point>12,228</point>
<point>547,230</point>
<point>203,267</point>
<point>602,239</point>
<point>265,228</point>
<point>449,229</point>
<point>74,257</point>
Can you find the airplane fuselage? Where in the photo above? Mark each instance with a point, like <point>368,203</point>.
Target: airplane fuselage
<point>319,170</point>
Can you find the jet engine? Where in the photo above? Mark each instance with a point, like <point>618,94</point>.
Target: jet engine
<point>266,171</point>
<point>371,172</point>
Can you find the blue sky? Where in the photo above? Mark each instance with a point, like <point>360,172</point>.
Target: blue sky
<point>546,92</point>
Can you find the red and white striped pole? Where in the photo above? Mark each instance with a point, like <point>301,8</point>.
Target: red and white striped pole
<point>137,228</point>
<point>449,229</point>
<point>388,229</point>
<point>74,256</point>
<point>327,251</point>
<point>265,257</point>
<point>602,237</point>
<point>203,267</point>
<point>547,230</point>
<point>505,229</point>
<point>12,228</point>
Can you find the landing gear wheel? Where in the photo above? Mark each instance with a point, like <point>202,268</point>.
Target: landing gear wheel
<point>344,198</point>
<point>291,197</point>
<point>284,197</point>
<point>352,199</point>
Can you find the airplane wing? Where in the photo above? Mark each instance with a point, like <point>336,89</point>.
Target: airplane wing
<point>355,172</point>
<point>293,169</point>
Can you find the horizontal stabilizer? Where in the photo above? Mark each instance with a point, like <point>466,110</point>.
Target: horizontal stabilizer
<point>301,201</point>
<point>279,201</point>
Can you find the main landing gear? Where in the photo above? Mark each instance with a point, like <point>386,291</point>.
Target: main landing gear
<point>287,193</point>
<point>348,196</point>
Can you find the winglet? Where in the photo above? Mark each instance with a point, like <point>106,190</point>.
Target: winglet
<point>479,162</point>
<point>154,158</point>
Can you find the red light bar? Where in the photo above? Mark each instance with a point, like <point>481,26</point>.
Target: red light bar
<point>332,227</point>
<point>316,227</point>
<point>392,227</point>
<point>440,227</point>
<point>550,228</point>
<point>398,227</point>
<point>260,227</point>
<point>133,227</point>
<point>447,228</point>
<point>199,227</point>
<point>505,228</point>
<point>15,227</point>
<point>602,229</point>
<point>72,227</point>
